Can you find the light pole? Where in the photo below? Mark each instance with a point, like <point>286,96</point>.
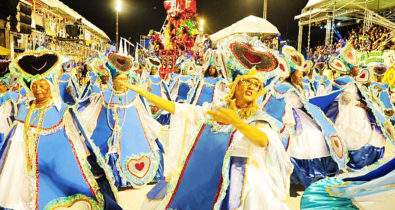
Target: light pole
<point>201,28</point>
<point>264,9</point>
<point>118,9</point>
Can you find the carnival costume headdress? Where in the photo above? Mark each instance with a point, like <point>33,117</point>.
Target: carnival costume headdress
<point>338,65</point>
<point>117,64</point>
<point>283,67</point>
<point>245,113</point>
<point>250,57</point>
<point>37,65</point>
<point>349,56</point>
<point>153,62</point>
<point>98,65</point>
<point>5,73</point>
<point>379,69</point>
<point>364,76</point>
<point>295,59</point>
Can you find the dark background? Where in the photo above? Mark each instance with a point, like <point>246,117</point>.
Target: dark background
<point>139,16</point>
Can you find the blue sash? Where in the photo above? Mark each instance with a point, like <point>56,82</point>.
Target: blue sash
<point>201,176</point>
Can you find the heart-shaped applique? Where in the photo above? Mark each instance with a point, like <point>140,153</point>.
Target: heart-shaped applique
<point>154,109</point>
<point>252,58</point>
<point>4,68</point>
<point>389,130</point>
<point>338,65</point>
<point>68,66</point>
<point>81,203</point>
<point>389,112</point>
<point>349,55</point>
<point>139,167</point>
<point>282,67</point>
<point>363,76</point>
<point>37,63</point>
<point>121,63</point>
<point>293,56</point>
<point>337,146</point>
<point>249,57</point>
<point>296,59</point>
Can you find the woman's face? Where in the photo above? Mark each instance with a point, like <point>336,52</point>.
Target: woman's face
<point>212,71</point>
<point>119,81</point>
<point>41,89</point>
<point>3,87</point>
<point>296,77</point>
<point>247,91</point>
<point>154,70</point>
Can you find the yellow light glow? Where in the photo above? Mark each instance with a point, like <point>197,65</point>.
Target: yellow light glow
<point>119,5</point>
<point>201,22</point>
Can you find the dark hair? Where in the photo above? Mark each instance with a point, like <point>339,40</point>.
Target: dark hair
<point>207,72</point>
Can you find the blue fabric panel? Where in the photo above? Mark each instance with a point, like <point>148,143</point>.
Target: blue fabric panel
<point>158,191</point>
<point>379,172</point>
<point>60,174</point>
<point>183,91</point>
<point>236,183</point>
<point>332,111</point>
<point>324,101</point>
<point>310,170</point>
<point>276,107</point>
<point>197,190</point>
<point>206,95</point>
<point>365,156</point>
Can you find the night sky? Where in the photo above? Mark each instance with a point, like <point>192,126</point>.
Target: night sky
<point>139,16</point>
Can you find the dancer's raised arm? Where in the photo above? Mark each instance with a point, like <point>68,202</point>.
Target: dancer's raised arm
<point>156,100</point>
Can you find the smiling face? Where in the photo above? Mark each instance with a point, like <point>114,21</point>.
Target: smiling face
<point>118,82</point>
<point>154,70</point>
<point>41,90</point>
<point>296,78</point>
<point>247,91</point>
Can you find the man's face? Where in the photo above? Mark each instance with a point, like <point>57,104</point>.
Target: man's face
<point>41,90</point>
<point>119,81</point>
<point>247,90</point>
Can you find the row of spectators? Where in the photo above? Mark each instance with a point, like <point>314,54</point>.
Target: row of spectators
<point>375,38</point>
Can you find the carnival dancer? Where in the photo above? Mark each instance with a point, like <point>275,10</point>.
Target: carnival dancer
<point>371,189</point>
<point>43,159</point>
<point>222,157</point>
<point>77,89</point>
<point>209,88</point>
<point>156,85</point>
<point>353,117</point>
<point>314,147</point>
<point>98,66</point>
<point>380,91</point>
<point>123,130</point>
<point>183,86</point>
<point>8,99</point>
